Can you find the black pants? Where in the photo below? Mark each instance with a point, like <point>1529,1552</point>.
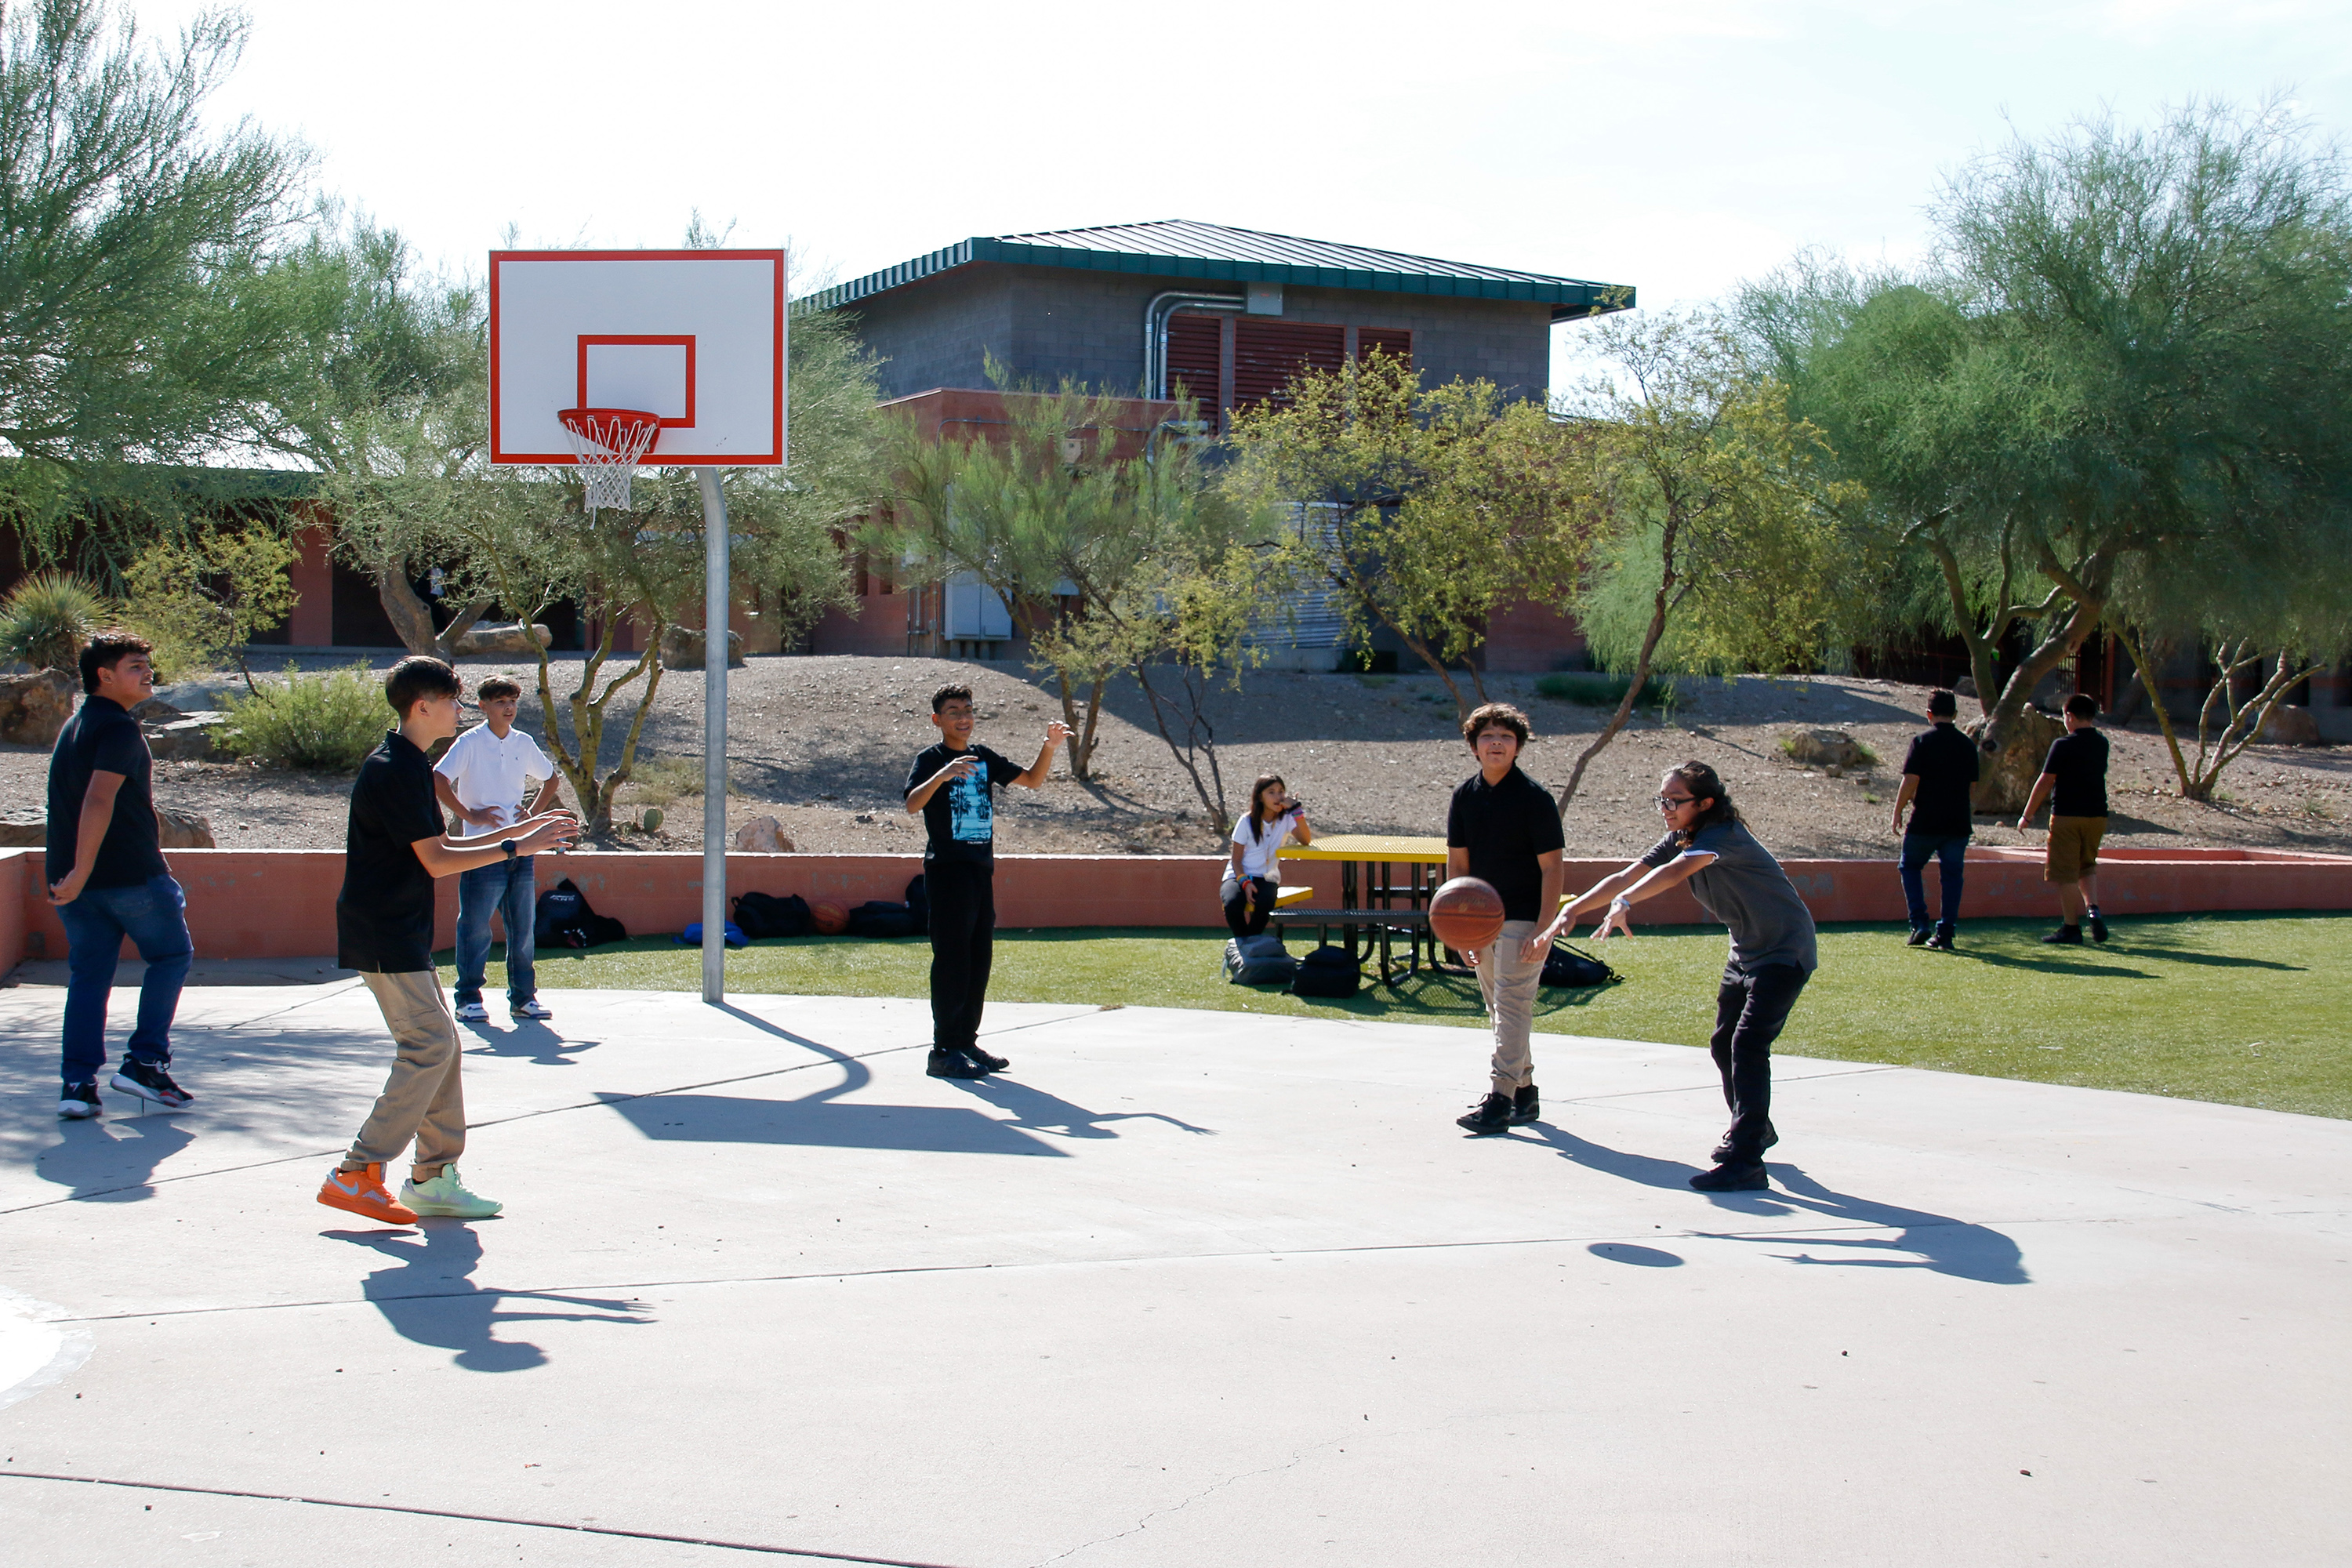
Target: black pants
<point>963,942</point>
<point>1259,889</point>
<point>1749,1010</point>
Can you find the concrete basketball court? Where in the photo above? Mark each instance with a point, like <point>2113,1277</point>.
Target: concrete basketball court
<point>1180,1289</point>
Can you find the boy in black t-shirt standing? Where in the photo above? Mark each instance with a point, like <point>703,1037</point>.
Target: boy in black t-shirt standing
<point>951,786</point>
<point>1504,829</point>
<point>397,845</point>
<point>1939,771</point>
<point>107,881</point>
<point>2075,781</point>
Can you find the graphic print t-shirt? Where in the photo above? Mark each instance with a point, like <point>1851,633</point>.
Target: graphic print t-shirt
<point>960,815</point>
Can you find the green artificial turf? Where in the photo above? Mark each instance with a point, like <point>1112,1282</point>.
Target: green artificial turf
<point>2243,1009</point>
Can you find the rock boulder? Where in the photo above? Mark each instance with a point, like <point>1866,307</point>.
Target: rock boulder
<point>1822,748</point>
<point>2288,725</point>
<point>23,832</point>
<point>194,738</point>
<point>682,649</point>
<point>502,637</point>
<point>184,829</point>
<point>34,708</point>
<point>763,836</point>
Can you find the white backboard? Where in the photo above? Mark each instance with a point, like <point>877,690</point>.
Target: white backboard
<point>694,336</point>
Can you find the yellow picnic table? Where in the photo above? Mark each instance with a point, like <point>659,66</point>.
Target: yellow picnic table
<point>1369,889</point>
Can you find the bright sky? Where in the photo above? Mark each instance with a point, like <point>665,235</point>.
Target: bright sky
<point>1678,147</point>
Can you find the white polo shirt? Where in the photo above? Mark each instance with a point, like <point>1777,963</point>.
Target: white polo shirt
<point>488,772</point>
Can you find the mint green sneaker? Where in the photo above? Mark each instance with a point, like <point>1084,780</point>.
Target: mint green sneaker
<point>446,1195</point>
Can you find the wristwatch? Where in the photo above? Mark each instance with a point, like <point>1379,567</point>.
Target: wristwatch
<point>509,845</point>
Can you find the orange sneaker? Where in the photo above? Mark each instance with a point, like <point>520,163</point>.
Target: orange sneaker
<point>362,1193</point>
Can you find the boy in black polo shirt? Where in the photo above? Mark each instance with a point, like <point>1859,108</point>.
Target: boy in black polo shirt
<point>1504,829</point>
<point>1940,771</point>
<point>2075,781</point>
<point>107,881</point>
<point>397,846</point>
<point>950,784</point>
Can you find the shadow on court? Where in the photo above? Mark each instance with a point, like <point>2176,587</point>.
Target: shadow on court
<point>1923,1240</point>
<point>529,1039</point>
<point>428,1296</point>
<point>1035,1108</point>
<point>112,1160</point>
<point>824,1124</point>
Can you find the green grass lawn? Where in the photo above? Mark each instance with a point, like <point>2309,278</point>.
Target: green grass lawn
<point>2244,1009</point>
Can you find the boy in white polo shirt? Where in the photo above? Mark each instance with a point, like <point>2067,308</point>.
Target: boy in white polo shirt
<point>480,779</point>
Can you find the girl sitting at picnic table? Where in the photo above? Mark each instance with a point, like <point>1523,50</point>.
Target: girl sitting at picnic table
<point>1253,878</point>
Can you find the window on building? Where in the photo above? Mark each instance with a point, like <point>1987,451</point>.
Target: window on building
<point>1266,354</point>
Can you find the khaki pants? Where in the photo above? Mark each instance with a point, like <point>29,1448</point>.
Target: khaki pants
<point>423,1099</point>
<point>1508,983</point>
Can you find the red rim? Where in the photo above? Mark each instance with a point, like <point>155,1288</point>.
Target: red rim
<point>625,422</point>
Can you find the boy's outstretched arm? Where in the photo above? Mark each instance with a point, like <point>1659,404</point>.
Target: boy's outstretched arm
<point>1055,734</point>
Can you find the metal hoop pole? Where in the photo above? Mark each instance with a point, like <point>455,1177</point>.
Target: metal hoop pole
<point>714,736</point>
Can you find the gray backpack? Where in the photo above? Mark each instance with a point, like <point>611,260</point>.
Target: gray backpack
<point>1258,961</point>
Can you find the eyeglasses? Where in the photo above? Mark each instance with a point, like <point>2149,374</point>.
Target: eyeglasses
<point>1668,802</point>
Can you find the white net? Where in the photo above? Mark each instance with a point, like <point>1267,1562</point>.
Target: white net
<point>608,444</point>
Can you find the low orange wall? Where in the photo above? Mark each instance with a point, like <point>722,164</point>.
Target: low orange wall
<point>280,903</point>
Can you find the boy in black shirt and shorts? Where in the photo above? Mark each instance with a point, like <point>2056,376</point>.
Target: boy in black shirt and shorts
<point>950,784</point>
<point>397,846</point>
<point>1504,829</point>
<point>2075,781</point>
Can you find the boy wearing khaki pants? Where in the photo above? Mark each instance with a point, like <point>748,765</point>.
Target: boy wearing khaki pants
<point>395,846</point>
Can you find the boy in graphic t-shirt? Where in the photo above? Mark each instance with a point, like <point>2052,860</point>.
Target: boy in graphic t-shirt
<point>951,786</point>
<point>2075,781</point>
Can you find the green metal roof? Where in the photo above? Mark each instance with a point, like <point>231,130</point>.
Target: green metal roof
<point>1215,253</point>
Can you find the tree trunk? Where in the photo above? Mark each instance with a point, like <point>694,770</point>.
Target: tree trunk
<point>411,616</point>
<point>1662,606</point>
<point>1082,735</point>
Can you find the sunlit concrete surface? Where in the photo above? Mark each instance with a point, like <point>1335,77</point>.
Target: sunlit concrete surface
<point>1180,1289</point>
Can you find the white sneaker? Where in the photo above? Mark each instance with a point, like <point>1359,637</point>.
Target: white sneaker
<point>534,1008</point>
<point>472,1013</point>
<point>446,1195</point>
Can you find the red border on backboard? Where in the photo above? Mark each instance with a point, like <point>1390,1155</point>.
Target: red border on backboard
<point>770,458</point>
<point>682,339</point>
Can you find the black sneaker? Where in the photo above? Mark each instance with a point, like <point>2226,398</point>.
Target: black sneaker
<point>1732,1179</point>
<point>1491,1114</point>
<point>987,1063</point>
<point>1724,1152</point>
<point>1919,935</point>
<point>149,1080</point>
<point>2065,936</point>
<point>1940,942</point>
<point>952,1064</point>
<point>2098,923</point>
<point>78,1101</point>
<point>1525,1105</point>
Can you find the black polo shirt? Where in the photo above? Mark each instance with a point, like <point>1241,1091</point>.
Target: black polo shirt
<point>383,916</point>
<point>1945,762</point>
<point>103,737</point>
<point>1505,826</point>
<point>2079,762</point>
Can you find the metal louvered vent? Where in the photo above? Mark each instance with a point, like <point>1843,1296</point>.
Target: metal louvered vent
<point>1195,356</point>
<point>1267,354</point>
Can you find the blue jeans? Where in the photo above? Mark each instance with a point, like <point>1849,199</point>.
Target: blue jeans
<point>155,915</point>
<point>1948,851</point>
<point>504,886</point>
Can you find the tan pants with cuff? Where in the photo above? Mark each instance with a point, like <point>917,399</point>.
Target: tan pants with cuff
<point>1509,983</point>
<point>422,1100</point>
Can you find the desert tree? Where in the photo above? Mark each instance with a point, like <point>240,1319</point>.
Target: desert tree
<point>1716,531</point>
<point>1425,510</point>
<point>201,595</point>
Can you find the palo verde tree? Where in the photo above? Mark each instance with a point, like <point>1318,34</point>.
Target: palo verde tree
<point>1425,510</point>
<point>1717,538</point>
<point>134,330</point>
<point>201,596</point>
<point>2129,360</point>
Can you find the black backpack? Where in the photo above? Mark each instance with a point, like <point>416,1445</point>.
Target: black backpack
<point>1573,969</point>
<point>564,918</point>
<point>879,917</point>
<point>1328,973</point>
<point>1259,959</point>
<point>759,915</point>
<point>919,901</point>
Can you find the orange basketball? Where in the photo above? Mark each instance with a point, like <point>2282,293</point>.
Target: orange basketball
<point>1466,914</point>
<point>831,920</point>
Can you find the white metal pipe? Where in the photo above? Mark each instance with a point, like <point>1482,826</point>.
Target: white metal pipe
<point>1155,330</point>
<point>715,579</point>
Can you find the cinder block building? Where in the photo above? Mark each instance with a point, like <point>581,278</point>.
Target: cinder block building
<point>1147,311</point>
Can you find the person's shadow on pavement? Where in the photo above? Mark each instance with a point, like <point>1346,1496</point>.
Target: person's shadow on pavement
<point>114,1160</point>
<point>1036,1111</point>
<point>429,1297</point>
<point>527,1037</point>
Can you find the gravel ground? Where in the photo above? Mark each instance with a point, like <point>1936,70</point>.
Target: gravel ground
<point>824,744</point>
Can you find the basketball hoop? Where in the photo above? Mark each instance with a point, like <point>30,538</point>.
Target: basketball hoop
<point>609,444</point>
